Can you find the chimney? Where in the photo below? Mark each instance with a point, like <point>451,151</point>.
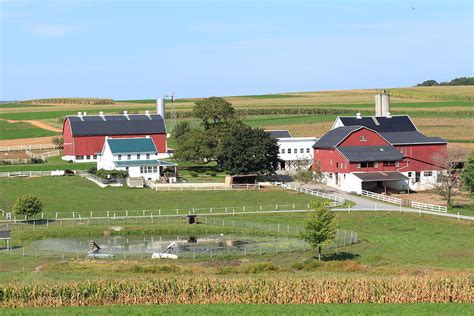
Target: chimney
<point>358,116</point>
<point>160,108</point>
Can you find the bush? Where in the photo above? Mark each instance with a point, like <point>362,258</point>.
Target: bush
<point>211,173</point>
<point>194,174</point>
<point>92,170</point>
<point>28,205</point>
<point>36,160</point>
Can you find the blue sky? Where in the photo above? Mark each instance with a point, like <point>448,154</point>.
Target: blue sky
<point>145,49</point>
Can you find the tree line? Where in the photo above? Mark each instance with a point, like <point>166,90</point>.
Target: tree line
<point>461,81</point>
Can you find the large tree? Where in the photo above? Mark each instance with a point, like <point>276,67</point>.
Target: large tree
<point>320,226</point>
<point>248,150</point>
<point>181,129</point>
<point>28,205</point>
<point>468,173</point>
<point>213,111</point>
<point>196,146</point>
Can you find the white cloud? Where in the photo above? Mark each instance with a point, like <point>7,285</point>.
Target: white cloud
<point>53,30</point>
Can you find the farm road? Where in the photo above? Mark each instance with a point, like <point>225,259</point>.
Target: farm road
<point>360,203</point>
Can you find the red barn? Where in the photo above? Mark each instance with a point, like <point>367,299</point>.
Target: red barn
<point>84,135</point>
<point>362,153</point>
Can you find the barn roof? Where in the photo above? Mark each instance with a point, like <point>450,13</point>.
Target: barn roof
<point>370,153</point>
<point>380,176</point>
<point>381,124</point>
<point>110,125</point>
<point>131,145</point>
<point>335,136</point>
<point>401,138</point>
<point>279,133</point>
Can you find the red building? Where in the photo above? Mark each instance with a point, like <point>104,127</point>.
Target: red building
<point>362,153</point>
<point>84,135</point>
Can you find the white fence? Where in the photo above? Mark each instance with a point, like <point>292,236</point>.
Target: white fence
<point>337,200</point>
<point>27,147</point>
<point>201,186</point>
<point>382,197</point>
<point>12,174</point>
<point>429,207</point>
<point>397,201</point>
<point>43,156</point>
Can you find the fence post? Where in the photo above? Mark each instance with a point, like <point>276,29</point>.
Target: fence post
<point>278,228</point>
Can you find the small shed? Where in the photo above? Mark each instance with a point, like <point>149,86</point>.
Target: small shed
<point>240,179</point>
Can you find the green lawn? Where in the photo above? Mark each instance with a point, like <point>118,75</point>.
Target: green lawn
<point>264,309</point>
<point>22,130</point>
<point>78,194</point>
<point>53,163</point>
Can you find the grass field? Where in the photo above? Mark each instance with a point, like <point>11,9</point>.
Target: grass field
<point>21,130</point>
<point>53,163</point>
<point>236,309</point>
<point>81,195</point>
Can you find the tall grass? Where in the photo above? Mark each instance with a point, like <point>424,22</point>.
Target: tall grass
<point>201,290</point>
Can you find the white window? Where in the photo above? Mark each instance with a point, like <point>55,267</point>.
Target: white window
<point>295,150</point>
<point>363,138</point>
<point>79,157</point>
<point>330,175</point>
<point>119,157</point>
<point>129,157</point>
<point>289,150</point>
<point>283,151</point>
<point>358,166</point>
<point>126,169</point>
<point>138,156</point>
<point>307,150</point>
<point>95,156</point>
<point>141,170</point>
<point>397,164</point>
<point>428,173</point>
<point>301,150</point>
<point>409,174</point>
<point>150,169</point>
<point>155,169</point>
<point>88,157</point>
<point>147,156</point>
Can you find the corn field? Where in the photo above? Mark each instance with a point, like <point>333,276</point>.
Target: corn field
<point>201,290</point>
<point>70,101</point>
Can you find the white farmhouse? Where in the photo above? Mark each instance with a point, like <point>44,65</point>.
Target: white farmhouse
<point>137,156</point>
<point>294,149</point>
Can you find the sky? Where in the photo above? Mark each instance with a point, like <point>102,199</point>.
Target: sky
<point>148,49</point>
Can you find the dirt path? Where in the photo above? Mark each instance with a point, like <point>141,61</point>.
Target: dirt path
<point>36,123</point>
<point>27,141</point>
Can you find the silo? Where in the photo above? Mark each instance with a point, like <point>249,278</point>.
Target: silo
<point>378,105</point>
<point>385,104</point>
<point>160,108</point>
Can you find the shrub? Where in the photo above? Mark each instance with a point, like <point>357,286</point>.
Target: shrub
<point>92,170</point>
<point>28,205</point>
<point>193,174</point>
<point>211,173</point>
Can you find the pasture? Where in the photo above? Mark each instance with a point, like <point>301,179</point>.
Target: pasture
<point>20,130</point>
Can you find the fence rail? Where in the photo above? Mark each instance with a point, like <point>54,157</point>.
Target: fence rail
<point>337,200</point>
<point>27,147</point>
<point>429,207</point>
<point>382,197</point>
<point>11,174</point>
<point>43,156</point>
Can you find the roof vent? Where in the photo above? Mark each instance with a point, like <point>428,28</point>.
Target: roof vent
<point>147,113</point>
<point>148,136</point>
<point>79,114</point>
<point>101,114</point>
<point>388,115</point>
<point>358,116</point>
<point>85,113</point>
<point>125,113</point>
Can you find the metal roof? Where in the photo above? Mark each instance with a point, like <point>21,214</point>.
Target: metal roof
<point>381,124</point>
<point>370,153</point>
<point>335,136</point>
<point>380,176</point>
<point>399,138</point>
<point>109,125</point>
<point>279,133</point>
<point>131,145</point>
<point>152,162</point>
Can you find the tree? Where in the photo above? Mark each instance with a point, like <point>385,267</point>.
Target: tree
<point>181,129</point>
<point>248,150</point>
<point>428,83</point>
<point>467,175</point>
<point>58,141</point>
<point>448,163</point>
<point>213,111</point>
<point>305,175</point>
<point>197,146</point>
<point>320,227</point>
<point>28,205</point>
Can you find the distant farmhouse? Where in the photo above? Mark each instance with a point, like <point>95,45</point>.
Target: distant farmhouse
<point>382,151</point>
<point>294,149</point>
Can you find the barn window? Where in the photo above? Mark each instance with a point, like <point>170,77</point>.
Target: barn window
<point>389,163</point>
<point>428,173</point>
<point>337,165</point>
<point>359,165</point>
<point>367,164</point>
<point>363,138</point>
<point>79,157</point>
<point>330,162</point>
